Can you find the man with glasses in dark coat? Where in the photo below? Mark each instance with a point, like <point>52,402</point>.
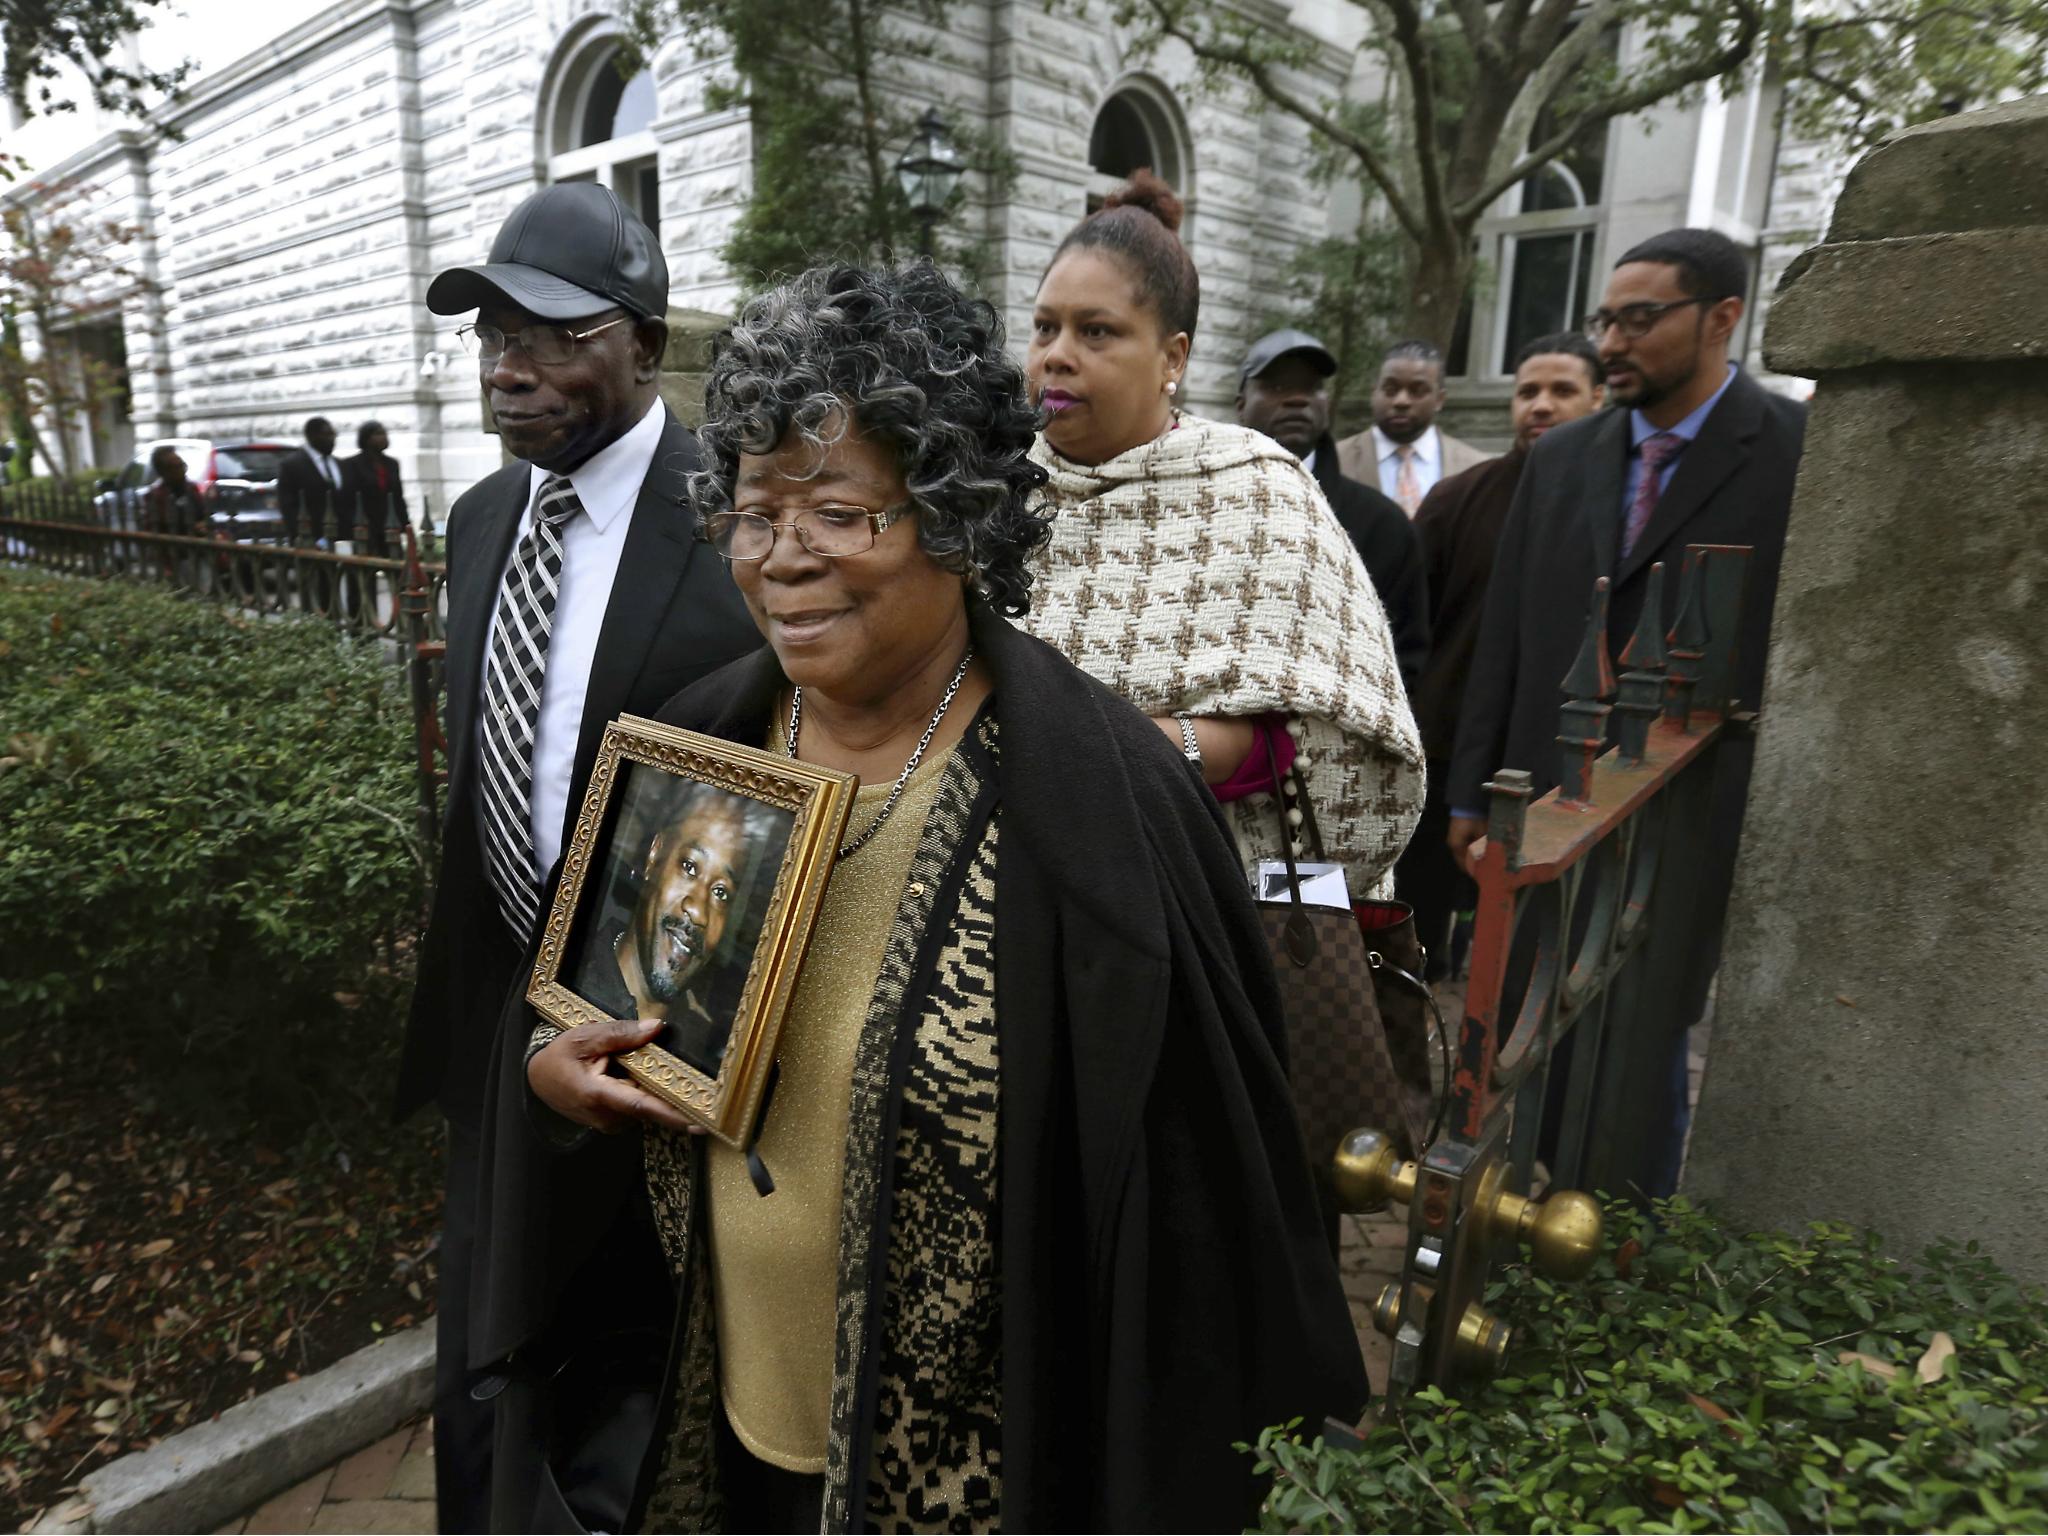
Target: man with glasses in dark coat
<point>576,592</point>
<point>1697,453</point>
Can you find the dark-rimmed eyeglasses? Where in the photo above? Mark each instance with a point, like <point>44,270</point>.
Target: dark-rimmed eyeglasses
<point>1634,320</point>
<point>548,345</point>
<point>832,531</point>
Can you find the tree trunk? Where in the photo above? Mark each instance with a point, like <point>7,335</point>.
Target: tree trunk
<point>1443,273</point>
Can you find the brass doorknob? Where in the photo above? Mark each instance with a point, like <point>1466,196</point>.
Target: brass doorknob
<point>1482,1341</point>
<point>1368,1172</point>
<point>1562,1230</point>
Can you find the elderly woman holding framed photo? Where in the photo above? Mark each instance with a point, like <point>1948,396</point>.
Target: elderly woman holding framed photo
<point>1042,1244</point>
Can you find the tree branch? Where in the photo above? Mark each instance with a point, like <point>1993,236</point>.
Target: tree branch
<point>1260,74</point>
<point>1559,59</point>
<point>1645,93</point>
<point>1422,106</point>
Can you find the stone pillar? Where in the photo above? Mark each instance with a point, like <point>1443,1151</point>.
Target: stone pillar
<point>1880,1050</point>
<point>688,359</point>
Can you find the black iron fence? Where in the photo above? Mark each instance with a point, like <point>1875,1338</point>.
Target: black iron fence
<point>324,571</point>
<point>1583,954</point>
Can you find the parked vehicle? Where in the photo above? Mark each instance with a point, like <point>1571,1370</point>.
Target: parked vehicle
<point>236,482</point>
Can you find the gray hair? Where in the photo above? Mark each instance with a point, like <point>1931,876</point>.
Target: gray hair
<point>917,366</point>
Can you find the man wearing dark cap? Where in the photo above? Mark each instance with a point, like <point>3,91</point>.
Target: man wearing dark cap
<point>575,593</point>
<point>1283,390</point>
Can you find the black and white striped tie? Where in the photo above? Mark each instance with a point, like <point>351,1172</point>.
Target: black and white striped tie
<point>512,684</point>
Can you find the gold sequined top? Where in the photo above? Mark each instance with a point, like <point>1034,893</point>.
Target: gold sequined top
<point>775,1259</point>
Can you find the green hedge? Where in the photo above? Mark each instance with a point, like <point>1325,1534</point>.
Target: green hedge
<point>1701,1381</point>
<point>206,826</point>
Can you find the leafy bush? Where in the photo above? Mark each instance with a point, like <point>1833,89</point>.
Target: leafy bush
<point>205,827</point>
<point>1702,1381</point>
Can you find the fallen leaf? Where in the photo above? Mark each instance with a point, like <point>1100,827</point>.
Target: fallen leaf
<point>59,1184</point>
<point>1870,1363</point>
<point>248,1356</point>
<point>1931,1365</point>
<point>156,1249</point>
<point>1625,1257</point>
<point>1846,1002</point>
<point>102,1283</point>
<point>1665,1494</point>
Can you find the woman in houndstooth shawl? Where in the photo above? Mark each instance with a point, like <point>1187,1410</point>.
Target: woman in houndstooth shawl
<point>1194,566</point>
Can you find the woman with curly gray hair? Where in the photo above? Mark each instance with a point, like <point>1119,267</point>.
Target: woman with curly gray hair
<point>1042,1245</point>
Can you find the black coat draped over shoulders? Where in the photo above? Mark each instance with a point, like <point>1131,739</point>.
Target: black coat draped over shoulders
<point>1166,1285</point>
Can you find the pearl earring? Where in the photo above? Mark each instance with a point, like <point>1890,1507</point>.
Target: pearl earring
<point>1173,386</point>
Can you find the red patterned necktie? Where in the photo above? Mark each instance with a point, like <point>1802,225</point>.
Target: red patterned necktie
<point>1658,450</point>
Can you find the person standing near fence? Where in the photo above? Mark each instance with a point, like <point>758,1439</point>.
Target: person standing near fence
<point>309,484</point>
<point>1699,453</point>
<point>1557,380</point>
<point>373,495</point>
<point>576,592</point>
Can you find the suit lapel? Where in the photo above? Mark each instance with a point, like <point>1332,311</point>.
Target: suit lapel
<point>473,594</point>
<point>659,548</point>
<point>1606,475</point>
<point>1719,450</point>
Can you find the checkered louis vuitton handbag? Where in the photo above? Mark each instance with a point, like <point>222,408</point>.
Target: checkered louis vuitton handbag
<point>1356,1010</point>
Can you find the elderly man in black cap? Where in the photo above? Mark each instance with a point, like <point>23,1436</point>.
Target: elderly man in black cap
<point>1283,390</point>
<point>575,593</point>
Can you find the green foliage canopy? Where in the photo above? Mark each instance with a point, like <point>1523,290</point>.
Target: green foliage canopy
<point>823,83</point>
<point>1482,96</point>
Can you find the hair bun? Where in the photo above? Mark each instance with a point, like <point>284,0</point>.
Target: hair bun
<point>1147,191</point>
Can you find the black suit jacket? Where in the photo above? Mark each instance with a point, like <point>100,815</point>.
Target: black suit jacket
<point>674,616</point>
<point>1733,485</point>
<point>305,497</point>
<point>377,510</point>
<point>1387,542</point>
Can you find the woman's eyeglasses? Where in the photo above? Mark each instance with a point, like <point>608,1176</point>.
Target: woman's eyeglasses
<point>548,345</point>
<point>831,531</point>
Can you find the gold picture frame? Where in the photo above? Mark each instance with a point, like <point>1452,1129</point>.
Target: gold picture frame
<point>689,890</point>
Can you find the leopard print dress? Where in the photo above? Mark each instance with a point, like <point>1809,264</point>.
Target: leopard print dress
<point>916,1431</point>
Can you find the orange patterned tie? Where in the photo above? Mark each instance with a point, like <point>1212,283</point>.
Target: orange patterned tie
<point>1407,490</point>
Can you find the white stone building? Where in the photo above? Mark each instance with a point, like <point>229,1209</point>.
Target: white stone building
<point>288,235</point>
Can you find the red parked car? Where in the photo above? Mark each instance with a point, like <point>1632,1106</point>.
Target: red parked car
<point>236,482</point>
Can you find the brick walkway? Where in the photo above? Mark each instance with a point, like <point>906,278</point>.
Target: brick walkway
<point>386,1487</point>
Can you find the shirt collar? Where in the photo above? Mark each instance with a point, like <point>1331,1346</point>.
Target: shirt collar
<point>1309,461</point>
<point>1640,427</point>
<point>1428,447</point>
<point>608,482</point>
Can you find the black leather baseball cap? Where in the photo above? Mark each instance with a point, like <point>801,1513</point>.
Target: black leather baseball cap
<point>1274,345</point>
<point>569,250</point>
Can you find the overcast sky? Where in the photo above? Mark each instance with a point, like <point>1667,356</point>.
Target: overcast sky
<point>215,33</point>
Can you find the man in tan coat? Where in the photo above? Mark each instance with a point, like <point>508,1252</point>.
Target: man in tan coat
<point>1403,452</point>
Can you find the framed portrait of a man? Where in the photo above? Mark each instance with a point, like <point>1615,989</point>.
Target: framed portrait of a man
<point>688,894</point>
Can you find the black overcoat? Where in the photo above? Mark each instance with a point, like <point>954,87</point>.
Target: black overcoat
<point>1167,1288</point>
<point>1387,543</point>
<point>1733,485</point>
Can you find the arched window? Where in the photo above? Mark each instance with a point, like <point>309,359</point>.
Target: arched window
<point>601,127</point>
<point>1136,128</point>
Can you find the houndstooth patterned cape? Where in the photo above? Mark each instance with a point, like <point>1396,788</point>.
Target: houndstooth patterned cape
<point>1203,571</point>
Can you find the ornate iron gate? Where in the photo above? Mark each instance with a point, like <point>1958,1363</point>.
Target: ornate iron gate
<point>1581,951</point>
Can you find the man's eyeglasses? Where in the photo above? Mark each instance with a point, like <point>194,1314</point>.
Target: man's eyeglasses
<point>1634,320</point>
<point>831,531</point>
<point>548,345</point>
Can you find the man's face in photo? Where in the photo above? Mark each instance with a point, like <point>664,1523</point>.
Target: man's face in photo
<point>689,886</point>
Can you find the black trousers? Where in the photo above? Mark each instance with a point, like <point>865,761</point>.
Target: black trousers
<point>1428,879</point>
<point>463,1427</point>
<point>760,1496</point>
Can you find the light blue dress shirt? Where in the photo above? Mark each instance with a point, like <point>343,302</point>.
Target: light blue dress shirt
<point>1639,427</point>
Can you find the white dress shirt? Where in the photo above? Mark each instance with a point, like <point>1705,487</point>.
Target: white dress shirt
<point>607,484</point>
<point>1428,461</point>
<point>328,468</point>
